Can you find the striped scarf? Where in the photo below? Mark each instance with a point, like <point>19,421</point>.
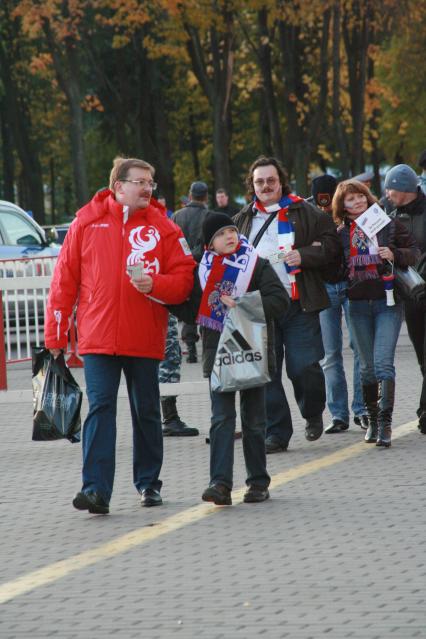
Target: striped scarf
<point>285,234</point>
<point>223,275</point>
<point>363,256</point>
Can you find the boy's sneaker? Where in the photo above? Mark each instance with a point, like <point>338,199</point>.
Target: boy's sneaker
<point>255,494</point>
<point>218,494</point>
<point>361,420</point>
<point>336,426</point>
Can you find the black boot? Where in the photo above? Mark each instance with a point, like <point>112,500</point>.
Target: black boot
<point>192,353</point>
<point>387,400</point>
<point>173,426</point>
<point>370,393</point>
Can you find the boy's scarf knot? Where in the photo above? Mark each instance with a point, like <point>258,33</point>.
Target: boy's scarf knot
<point>223,275</point>
<point>285,234</point>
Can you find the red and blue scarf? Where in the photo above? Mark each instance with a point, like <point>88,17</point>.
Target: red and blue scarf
<point>285,234</point>
<point>363,255</point>
<point>223,275</point>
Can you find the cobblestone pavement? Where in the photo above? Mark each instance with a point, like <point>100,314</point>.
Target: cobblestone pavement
<point>336,552</point>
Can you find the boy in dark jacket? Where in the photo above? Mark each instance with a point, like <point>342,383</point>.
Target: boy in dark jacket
<point>216,285</point>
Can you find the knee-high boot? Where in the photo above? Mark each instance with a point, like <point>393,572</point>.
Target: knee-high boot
<point>370,393</point>
<point>386,403</point>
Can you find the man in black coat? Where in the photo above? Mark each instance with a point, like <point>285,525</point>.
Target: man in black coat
<point>190,219</point>
<point>311,242</point>
<point>409,206</point>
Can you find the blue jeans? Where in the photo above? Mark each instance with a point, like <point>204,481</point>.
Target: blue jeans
<point>222,431</point>
<point>332,364</point>
<point>102,374</point>
<point>299,333</point>
<point>375,330</point>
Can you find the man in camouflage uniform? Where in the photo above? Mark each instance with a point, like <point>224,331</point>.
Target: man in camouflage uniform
<point>169,373</point>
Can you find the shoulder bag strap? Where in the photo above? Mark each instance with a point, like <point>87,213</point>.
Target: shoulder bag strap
<point>262,230</point>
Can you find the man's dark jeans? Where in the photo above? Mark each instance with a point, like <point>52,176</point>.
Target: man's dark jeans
<point>222,437</point>
<point>102,374</point>
<point>298,335</point>
<point>415,317</point>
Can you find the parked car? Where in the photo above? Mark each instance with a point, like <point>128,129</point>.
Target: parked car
<point>21,237</point>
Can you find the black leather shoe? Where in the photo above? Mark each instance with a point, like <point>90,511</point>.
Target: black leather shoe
<point>274,445</point>
<point>314,428</point>
<point>151,497</point>
<point>218,494</point>
<point>361,420</point>
<point>178,428</point>
<point>92,502</point>
<point>255,494</point>
<point>336,426</point>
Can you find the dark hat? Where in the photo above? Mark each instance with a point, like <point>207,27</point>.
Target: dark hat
<point>323,188</point>
<point>367,176</point>
<point>199,189</point>
<point>422,159</point>
<point>213,223</point>
<point>401,178</point>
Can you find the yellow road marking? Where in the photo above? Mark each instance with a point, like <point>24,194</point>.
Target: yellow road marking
<point>65,567</point>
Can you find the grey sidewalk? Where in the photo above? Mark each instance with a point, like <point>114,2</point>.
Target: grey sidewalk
<point>336,552</point>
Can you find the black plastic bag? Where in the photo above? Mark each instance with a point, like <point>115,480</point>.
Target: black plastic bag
<point>57,399</point>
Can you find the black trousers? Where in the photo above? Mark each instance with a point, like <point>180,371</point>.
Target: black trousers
<point>415,316</point>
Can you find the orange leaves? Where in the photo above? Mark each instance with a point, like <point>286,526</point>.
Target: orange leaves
<point>91,103</point>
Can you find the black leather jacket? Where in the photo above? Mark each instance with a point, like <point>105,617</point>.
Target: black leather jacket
<point>413,217</point>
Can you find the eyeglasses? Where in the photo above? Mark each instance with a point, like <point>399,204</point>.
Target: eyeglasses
<point>270,181</point>
<point>150,185</point>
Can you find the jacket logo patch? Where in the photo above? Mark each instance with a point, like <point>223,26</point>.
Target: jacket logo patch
<point>144,239</point>
<point>185,246</point>
<point>99,226</point>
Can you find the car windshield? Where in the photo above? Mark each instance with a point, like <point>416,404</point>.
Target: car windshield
<point>19,232</point>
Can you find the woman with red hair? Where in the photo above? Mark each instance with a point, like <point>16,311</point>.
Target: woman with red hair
<point>375,322</point>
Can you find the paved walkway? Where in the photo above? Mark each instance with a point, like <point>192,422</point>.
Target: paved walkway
<point>336,552</point>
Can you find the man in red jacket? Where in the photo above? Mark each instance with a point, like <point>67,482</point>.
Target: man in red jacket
<point>121,262</point>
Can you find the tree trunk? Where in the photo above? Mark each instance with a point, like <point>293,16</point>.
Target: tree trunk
<point>357,40</point>
<point>66,66</point>
<point>265,64</point>
<point>303,134</point>
<point>8,160</point>
<point>221,165</point>
<point>17,117</point>
<point>193,144</point>
<point>217,87</point>
<point>339,131</point>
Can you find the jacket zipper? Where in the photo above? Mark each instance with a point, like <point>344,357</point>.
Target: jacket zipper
<point>120,275</point>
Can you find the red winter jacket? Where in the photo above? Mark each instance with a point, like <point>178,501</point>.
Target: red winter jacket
<point>114,318</point>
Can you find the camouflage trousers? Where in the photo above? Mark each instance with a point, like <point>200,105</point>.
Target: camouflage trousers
<point>169,371</point>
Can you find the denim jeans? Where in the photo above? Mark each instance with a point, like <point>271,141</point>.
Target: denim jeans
<point>222,431</point>
<point>332,364</point>
<point>102,374</point>
<point>375,330</point>
<point>299,333</point>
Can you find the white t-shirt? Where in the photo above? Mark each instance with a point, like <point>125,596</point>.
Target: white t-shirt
<point>268,245</point>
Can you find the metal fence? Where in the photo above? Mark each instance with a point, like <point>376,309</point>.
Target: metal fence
<point>25,286</point>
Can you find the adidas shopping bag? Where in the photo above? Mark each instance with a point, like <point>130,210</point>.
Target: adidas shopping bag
<point>242,354</point>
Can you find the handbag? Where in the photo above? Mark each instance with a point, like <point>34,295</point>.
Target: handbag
<point>408,282</point>
<point>241,360</point>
